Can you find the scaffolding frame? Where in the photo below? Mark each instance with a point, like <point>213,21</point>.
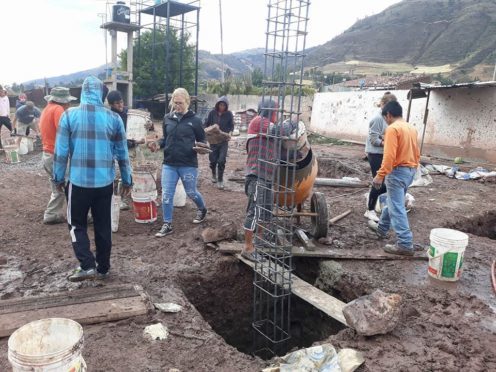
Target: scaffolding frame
<point>175,16</point>
<point>283,82</point>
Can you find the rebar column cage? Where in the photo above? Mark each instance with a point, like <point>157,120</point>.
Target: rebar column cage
<point>175,16</point>
<point>282,90</point>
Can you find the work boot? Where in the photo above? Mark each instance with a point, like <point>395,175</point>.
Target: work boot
<point>53,220</point>
<point>79,275</point>
<point>397,249</point>
<point>214,176</point>
<point>374,227</point>
<point>123,206</point>
<point>220,185</point>
<point>252,256</point>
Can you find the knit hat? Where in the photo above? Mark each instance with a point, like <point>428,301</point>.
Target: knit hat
<point>60,95</point>
<point>114,96</point>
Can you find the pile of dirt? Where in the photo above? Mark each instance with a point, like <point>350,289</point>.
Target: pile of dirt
<point>445,326</point>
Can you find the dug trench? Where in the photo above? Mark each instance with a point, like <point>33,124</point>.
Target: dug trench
<point>223,294</point>
<point>483,225</point>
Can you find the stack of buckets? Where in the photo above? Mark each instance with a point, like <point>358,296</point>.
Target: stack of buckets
<point>144,197</point>
<point>447,248</point>
<point>47,345</point>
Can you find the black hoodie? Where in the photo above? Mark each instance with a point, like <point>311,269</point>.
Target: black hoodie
<point>180,134</point>
<point>224,119</point>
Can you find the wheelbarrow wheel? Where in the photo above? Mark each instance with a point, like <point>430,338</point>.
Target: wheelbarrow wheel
<point>320,222</point>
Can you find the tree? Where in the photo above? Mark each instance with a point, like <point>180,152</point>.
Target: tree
<point>257,77</point>
<point>149,65</point>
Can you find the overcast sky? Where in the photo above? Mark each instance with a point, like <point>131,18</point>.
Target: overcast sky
<point>44,38</point>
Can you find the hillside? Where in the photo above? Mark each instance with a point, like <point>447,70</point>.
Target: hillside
<point>418,32</point>
<point>457,36</point>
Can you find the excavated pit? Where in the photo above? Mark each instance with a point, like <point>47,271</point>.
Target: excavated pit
<point>482,225</point>
<point>223,294</point>
<point>338,168</point>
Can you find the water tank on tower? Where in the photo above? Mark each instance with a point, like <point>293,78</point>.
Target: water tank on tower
<point>121,13</point>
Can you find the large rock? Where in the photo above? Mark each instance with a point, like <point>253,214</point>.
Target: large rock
<point>225,232</point>
<point>374,314</point>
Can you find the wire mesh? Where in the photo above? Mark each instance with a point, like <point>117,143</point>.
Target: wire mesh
<point>279,113</point>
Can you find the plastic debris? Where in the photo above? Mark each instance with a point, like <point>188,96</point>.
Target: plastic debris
<point>156,332</point>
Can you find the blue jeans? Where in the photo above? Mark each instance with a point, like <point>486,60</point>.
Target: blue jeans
<point>394,214</point>
<point>170,176</point>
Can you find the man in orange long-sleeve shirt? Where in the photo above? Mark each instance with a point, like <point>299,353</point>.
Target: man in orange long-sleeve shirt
<point>58,101</point>
<point>400,162</point>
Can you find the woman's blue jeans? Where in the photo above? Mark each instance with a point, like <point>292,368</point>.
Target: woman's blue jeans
<point>170,176</point>
<point>394,214</point>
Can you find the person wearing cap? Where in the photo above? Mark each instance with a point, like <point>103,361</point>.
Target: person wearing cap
<point>4,112</point>
<point>58,101</point>
<point>221,116</point>
<point>26,118</point>
<point>90,138</point>
<point>374,148</point>
<point>259,174</point>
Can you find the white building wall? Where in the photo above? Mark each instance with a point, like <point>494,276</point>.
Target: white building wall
<point>461,121</point>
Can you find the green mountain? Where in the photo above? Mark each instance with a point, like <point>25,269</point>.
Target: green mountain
<point>418,32</point>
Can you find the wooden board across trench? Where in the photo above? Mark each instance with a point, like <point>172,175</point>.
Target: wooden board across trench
<point>85,306</point>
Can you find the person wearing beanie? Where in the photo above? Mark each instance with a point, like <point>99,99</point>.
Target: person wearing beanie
<point>261,172</point>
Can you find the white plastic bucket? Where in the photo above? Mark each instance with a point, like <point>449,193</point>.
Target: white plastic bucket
<point>47,345</point>
<point>26,145</point>
<point>143,182</point>
<point>179,195</point>
<point>115,212</point>
<point>446,252</point>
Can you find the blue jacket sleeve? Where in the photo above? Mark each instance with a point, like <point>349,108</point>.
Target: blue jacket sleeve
<point>120,151</point>
<point>61,153</point>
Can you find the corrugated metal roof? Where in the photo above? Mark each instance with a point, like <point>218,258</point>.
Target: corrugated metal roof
<point>481,84</point>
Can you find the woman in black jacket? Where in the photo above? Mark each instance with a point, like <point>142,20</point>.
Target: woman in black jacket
<point>182,129</point>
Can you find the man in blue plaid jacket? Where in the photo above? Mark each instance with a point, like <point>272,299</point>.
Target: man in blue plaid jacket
<point>90,137</point>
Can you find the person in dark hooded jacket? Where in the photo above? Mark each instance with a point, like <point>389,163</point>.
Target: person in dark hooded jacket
<point>221,116</point>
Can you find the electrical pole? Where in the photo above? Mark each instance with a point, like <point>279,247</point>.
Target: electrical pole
<point>221,41</point>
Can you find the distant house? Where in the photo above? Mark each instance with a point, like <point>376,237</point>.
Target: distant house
<point>380,83</point>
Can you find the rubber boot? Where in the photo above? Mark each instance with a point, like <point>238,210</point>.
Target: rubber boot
<point>214,176</point>
<point>220,181</point>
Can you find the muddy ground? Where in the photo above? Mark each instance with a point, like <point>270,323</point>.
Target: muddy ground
<point>445,326</point>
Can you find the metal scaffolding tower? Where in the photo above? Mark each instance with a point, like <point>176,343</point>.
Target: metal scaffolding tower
<point>282,89</point>
<point>171,17</point>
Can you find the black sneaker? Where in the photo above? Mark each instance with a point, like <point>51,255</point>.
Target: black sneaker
<point>165,230</point>
<point>200,215</point>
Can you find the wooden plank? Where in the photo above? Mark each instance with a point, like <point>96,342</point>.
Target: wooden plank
<point>79,296</point>
<point>333,220</point>
<point>85,313</point>
<point>322,252</point>
<point>314,296</point>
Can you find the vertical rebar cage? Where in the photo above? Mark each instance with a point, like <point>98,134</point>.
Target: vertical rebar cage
<point>278,137</point>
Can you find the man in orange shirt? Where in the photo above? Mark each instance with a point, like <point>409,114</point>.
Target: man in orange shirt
<point>399,164</point>
<point>58,101</point>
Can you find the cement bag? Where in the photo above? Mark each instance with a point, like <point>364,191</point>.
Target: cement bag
<point>382,202</point>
